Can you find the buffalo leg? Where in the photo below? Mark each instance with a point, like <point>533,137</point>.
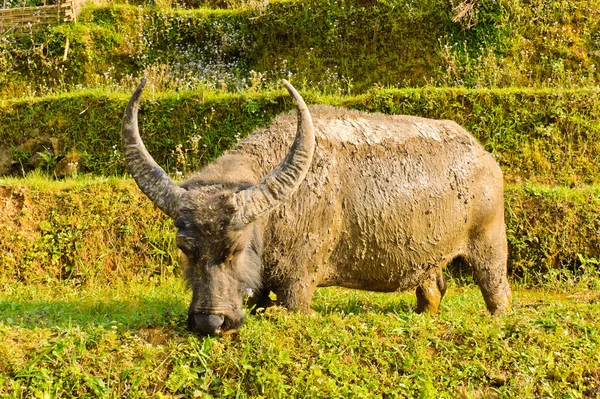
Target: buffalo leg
<point>260,299</point>
<point>431,291</point>
<point>487,257</point>
<point>296,296</point>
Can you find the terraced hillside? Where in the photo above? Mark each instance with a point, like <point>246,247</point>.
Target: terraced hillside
<point>330,46</point>
<point>90,299</point>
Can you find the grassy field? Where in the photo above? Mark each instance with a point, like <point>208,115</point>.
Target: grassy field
<point>129,340</point>
<point>91,300</point>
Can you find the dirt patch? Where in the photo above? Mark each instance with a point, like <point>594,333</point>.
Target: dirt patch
<point>13,201</point>
<point>156,335</point>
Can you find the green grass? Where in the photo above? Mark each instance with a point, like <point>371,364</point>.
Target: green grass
<point>543,136</point>
<point>96,229</point>
<point>113,331</point>
<point>129,340</point>
<point>334,46</point>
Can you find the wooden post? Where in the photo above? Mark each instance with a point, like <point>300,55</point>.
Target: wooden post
<point>66,50</point>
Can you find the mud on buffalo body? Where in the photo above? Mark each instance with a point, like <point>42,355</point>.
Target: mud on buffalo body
<point>331,197</point>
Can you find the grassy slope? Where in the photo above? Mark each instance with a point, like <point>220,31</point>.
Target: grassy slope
<point>130,341</point>
<point>540,135</point>
<point>313,40</point>
<point>329,45</point>
<point>97,229</point>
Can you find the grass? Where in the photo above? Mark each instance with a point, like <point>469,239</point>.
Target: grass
<point>540,135</point>
<point>90,301</point>
<point>336,46</point>
<point>129,340</point>
<point>92,229</point>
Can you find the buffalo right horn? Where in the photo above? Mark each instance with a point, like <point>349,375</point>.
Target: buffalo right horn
<point>286,178</point>
<point>150,178</point>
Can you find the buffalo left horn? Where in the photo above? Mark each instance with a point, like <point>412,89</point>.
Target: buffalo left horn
<point>151,178</point>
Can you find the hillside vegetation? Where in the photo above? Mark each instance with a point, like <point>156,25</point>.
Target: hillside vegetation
<point>332,46</point>
<point>548,136</point>
<point>100,230</point>
<point>92,304</point>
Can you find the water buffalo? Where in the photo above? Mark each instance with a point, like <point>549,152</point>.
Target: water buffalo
<point>346,198</point>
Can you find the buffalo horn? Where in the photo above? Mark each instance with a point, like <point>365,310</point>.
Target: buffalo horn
<point>151,178</point>
<point>286,178</point>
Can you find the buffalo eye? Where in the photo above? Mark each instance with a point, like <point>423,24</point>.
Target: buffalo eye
<point>185,236</point>
<point>181,223</point>
<point>236,251</point>
<point>185,244</point>
<point>224,256</point>
<point>228,253</point>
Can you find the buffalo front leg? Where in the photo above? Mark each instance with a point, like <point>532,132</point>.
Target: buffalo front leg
<point>296,295</point>
<point>431,291</point>
<point>260,299</point>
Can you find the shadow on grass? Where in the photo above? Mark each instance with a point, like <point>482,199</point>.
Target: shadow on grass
<point>346,301</point>
<point>358,308</point>
<point>142,313</point>
<point>136,313</point>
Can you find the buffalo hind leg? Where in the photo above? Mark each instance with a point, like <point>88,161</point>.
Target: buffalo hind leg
<point>431,291</point>
<point>487,257</point>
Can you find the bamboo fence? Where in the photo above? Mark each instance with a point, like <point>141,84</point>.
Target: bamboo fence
<point>64,11</point>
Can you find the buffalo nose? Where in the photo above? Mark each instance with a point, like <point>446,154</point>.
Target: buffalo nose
<point>205,324</point>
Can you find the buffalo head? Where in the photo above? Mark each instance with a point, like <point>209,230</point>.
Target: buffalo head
<point>219,220</point>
